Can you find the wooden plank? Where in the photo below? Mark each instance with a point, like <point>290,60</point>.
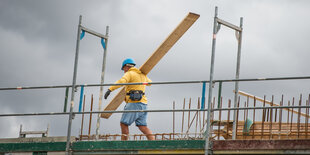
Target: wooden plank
<point>115,103</point>
<point>274,104</point>
<point>151,62</point>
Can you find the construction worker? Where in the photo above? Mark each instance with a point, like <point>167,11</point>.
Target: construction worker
<point>135,99</point>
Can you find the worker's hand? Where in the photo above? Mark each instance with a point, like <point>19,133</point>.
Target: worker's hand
<point>107,94</point>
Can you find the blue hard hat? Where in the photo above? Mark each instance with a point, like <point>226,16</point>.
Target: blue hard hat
<point>128,61</point>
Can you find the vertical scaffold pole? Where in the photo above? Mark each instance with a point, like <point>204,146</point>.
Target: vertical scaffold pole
<point>73,86</point>
<point>239,38</point>
<point>102,81</point>
<point>207,134</point>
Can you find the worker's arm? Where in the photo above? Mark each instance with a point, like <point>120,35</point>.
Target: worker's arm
<point>124,79</point>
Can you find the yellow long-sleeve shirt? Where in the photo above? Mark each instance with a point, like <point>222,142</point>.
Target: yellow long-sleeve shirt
<point>133,75</point>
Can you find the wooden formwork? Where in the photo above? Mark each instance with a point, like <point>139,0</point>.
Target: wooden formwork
<point>261,130</point>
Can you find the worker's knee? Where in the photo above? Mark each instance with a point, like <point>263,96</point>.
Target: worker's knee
<point>143,128</point>
<point>124,128</point>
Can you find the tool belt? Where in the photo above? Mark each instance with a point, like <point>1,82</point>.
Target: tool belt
<point>135,95</point>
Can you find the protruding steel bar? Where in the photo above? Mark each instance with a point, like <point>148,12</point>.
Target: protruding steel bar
<point>263,117</point>
<point>271,111</point>
<point>247,110</point>
<point>173,118</point>
<point>73,86</point>
<point>220,119</point>
<point>276,114</point>
<point>82,124</point>
<point>237,116</point>
<point>244,118</point>
<point>199,114</point>
<point>254,119</point>
<point>307,119</point>
<point>90,115</point>
<point>189,113</point>
<point>207,133</point>
<point>228,117</point>
<point>280,115</point>
<point>102,80</point>
<point>292,114</point>
<point>183,116</point>
<point>192,121</point>
<point>298,120</point>
<point>268,114</point>
<point>288,113</point>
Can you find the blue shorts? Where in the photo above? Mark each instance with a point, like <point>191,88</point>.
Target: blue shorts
<point>138,117</point>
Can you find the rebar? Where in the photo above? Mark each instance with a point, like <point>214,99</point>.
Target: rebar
<point>173,118</point>
<point>183,116</point>
<point>90,114</point>
<point>263,117</point>
<point>82,124</point>
<point>253,117</point>
<point>298,120</point>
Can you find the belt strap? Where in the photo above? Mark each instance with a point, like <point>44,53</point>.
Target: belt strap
<point>135,90</point>
<point>129,93</point>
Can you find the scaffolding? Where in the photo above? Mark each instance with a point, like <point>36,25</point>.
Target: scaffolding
<point>270,127</point>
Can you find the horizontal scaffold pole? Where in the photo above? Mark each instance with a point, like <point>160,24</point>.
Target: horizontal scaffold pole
<point>157,83</point>
<point>168,110</point>
<point>94,32</point>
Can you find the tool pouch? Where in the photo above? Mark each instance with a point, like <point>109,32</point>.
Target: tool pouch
<point>135,95</point>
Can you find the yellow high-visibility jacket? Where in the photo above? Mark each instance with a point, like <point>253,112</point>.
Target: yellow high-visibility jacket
<point>133,75</point>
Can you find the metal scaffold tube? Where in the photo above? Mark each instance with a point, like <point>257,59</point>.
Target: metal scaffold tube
<point>73,86</point>
<point>162,110</point>
<point>102,81</point>
<point>207,134</point>
<point>158,83</point>
<point>239,38</point>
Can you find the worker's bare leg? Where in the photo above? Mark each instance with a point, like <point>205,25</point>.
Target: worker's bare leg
<point>125,131</point>
<point>147,132</point>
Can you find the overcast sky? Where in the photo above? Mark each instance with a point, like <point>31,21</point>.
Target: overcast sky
<point>38,40</point>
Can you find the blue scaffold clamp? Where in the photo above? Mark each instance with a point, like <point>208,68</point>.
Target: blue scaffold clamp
<point>82,35</point>
<point>103,43</point>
